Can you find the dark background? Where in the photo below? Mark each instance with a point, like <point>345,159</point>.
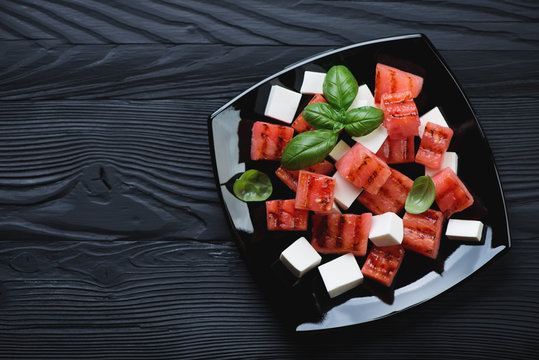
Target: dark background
<point>114,243</point>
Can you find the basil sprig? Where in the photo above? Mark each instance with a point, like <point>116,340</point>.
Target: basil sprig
<point>252,185</point>
<point>340,89</point>
<point>421,196</point>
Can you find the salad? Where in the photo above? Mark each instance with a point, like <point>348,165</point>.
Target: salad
<point>342,148</point>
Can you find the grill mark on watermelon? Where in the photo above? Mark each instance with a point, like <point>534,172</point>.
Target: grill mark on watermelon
<point>372,177</point>
<point>339,240</point>
<point>264,137</point>
<point>351,176</point>
<point>322,231</point>
<point>357,231</point>
<point>278,222</point>
<point>422,232</point>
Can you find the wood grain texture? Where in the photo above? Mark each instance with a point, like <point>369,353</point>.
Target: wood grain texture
<point>489,25</point>
<point>114,244</point>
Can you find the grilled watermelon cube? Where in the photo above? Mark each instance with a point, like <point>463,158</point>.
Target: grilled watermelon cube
<point>397,151</point>
<point>300,124</point>
<point>269,140</point>
<point>363,169</point>
<point>401,118</point>
<point>290,177</point>
<point>341,233</point>
<point>383,263</point>
<point>391,80</point>
<point>283,215</point>
<point>434,144</point>
<point>451,194</point>
<point>392,194</point>
<point>422,232</point>
<point>315,192</point>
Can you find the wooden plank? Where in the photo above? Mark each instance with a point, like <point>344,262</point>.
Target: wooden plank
<point>52,71</point>
<point>503,25</point>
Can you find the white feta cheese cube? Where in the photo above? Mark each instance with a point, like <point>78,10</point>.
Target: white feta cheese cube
<point>386,229</point>
<point>339,150</point>
<point>467,230</point>
<point>282,104</point>
<point>312,82</point>
<point>300,257</point>
<point>363,98</point>
<point>433,116</point>
<point>341,274</point>
<point>345,192</point>
<point>374,140</point>
<point>450,159</point>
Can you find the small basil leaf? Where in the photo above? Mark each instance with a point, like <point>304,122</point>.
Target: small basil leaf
<point>253,185</point>
<point>320,115</point>
<point>308,148</point>
<point>421,196</point>
<point>364,120</point>
<point>340,87</point>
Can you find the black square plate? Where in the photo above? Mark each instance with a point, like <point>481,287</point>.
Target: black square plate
<point>304,304</point>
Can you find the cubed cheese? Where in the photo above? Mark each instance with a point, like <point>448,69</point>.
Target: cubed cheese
<point>386,229</point>
<point>341,274</point>
<point>282,104</point>
<point>434,116</point>
<point>300,257</point>
<point>345,192</point>
<point>363,98</point>
<point>339,150</point>
<point>450,159</point>
<point>467,230</point>
<point>374,140</point>
<point>312,83</point>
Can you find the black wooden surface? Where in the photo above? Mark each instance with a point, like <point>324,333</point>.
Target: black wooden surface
<point>114,244</point>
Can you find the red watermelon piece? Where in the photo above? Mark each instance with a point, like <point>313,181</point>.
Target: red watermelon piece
<point>269,140</point>
<point>397,151</point>
<point>391,197</point>
<point>283,215</point>
<point>401,118</point>
<point>451,194</point>
<point>434,144</point>
<point>300,124</point>
<point>383,263</point>
<point>363,169</point>
<point>315,192</point>
<point>341,233</point>
<point>391,80</point>
<point>290,177</point>
<point>422,232</point>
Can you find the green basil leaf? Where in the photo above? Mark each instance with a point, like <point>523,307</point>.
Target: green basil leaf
<point>253,185</point>
<point>321,116</point>
<point>364,120</point>
<point>340,87</point>
<point>421,196</point>
<point>308,148</point>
